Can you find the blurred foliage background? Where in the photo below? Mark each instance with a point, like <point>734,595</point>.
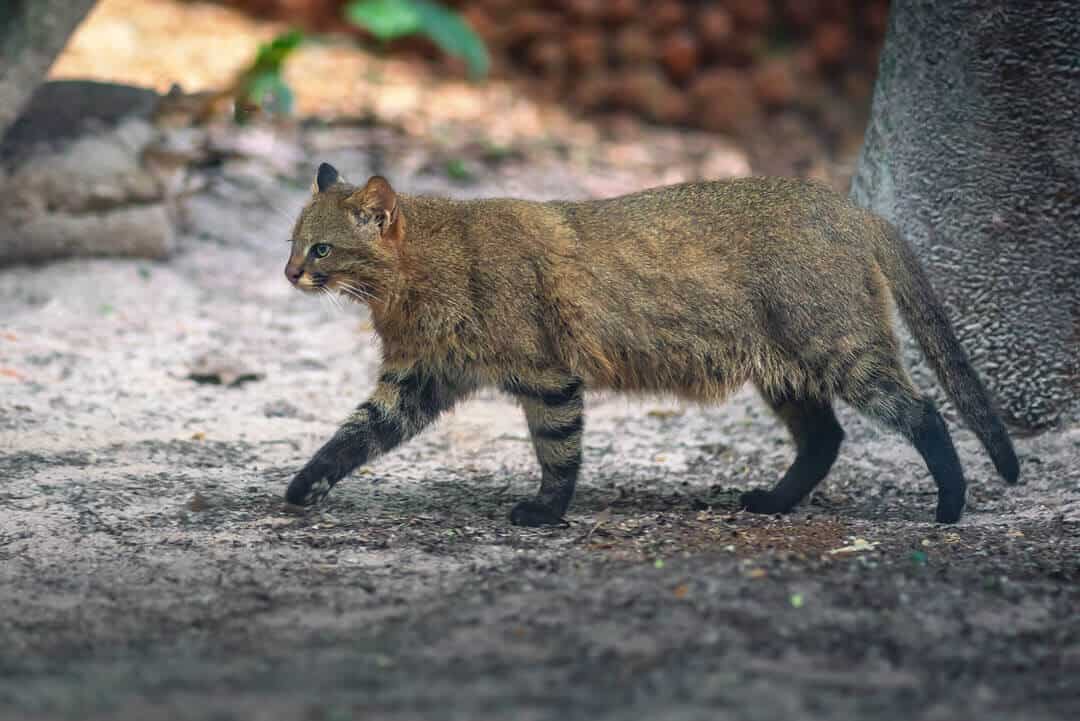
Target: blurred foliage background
<point>722,65</point>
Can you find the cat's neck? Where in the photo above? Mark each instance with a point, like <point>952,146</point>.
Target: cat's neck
<point>426,298</point>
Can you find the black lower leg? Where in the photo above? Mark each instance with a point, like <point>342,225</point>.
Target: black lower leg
<point>893,401</point>
<point>404,402</point>
<point>931,438</point>
<point>370,428</point>
<point>817,436</point>
<point>549,505</point>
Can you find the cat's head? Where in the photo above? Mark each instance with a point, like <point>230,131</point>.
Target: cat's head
<point>345,237</point>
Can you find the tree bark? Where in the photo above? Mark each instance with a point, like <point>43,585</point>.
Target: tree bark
<point>32,34</point>
<point>973,151</point>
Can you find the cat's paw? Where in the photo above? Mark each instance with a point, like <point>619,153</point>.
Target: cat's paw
<point>535,514</point>
<point>950,507</point>
<point>762,502</point>
<point>307,489</point>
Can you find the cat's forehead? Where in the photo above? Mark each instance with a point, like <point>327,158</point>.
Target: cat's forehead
<point>320,213</point>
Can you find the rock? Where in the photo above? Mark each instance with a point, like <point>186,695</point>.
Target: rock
<point>775,82</point>
<point>715,26</point>
<point>724,163</point>
<point>800,13</point>
<point>831,43</point>
<point>528,24</point>
<point>593,90</point>
<point>725,100</point>
<point>667,14</point>
<point>680,54</point>
<point>140,231</point>
<point>587,48</point>
<point>634,45</point>
<point>647,90</point>
<point>86,172</point>
<point>750,13</point>
<point>622,10</point>
<point>586,9</point>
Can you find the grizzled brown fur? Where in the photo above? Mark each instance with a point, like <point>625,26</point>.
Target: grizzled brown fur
<point>692,289</point>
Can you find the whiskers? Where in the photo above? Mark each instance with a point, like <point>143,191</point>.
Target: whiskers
<point>348,289</point>
<point>334,300</point>
<point>357,293</point>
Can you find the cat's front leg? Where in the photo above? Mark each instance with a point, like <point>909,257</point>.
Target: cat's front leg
<point>405,401</point>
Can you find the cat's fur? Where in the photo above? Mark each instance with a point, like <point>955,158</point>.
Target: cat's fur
<point>691,289</point>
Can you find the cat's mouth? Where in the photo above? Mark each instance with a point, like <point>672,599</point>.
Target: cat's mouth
<point>323,282</point>
<point>310,282</point>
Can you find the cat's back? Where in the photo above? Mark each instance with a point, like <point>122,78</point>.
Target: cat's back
<point>755,212</point>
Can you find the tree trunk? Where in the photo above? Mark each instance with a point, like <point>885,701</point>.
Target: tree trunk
<point>973,151</point>
<point>32,34</point>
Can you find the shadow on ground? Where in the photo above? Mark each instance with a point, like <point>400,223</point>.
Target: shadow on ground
<point>149,570</point>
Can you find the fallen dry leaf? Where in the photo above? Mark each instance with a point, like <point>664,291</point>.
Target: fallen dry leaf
<point>218,369</point>
<point>857,545</point>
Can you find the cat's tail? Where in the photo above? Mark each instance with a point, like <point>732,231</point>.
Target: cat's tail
<point>926,318</point>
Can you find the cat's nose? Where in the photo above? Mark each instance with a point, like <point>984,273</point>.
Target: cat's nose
<point>293,273</point>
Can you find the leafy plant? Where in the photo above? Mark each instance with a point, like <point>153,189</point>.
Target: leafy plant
<point>457,170</point>
<point>262,84</point>
<point>391,19</point>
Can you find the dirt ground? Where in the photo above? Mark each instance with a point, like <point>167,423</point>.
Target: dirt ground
<point>149,570</point>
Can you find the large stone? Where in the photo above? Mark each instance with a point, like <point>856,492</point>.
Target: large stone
<point>973,150</point>
<point>32,34</point>
<point>86,171</point>
<point>140,231</point>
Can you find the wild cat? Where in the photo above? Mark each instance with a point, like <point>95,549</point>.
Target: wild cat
<point>691,289</point>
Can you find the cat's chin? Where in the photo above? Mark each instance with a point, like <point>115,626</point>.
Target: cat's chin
<point>350,290</point>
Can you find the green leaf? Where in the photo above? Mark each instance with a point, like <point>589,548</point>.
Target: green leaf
<point>390,19</point>
<point>262,84</point>
<point>447,30</point>
<point>271,55</point>
<point>269,91</point>
<point>385,19</point>
<point>457,170</point>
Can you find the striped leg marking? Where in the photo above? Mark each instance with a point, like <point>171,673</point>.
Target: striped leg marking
<point>554,410</point>
<point>405,401</point>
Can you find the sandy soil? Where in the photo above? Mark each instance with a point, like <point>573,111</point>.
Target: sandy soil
<point>149,570</point>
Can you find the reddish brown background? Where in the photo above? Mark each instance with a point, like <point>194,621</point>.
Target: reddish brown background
<point>725,65</point>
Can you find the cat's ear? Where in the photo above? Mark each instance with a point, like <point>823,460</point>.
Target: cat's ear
<point>378,201</point>
<point>326,177</point>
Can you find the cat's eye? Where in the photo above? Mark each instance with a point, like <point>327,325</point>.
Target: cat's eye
<point>320,250</point>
